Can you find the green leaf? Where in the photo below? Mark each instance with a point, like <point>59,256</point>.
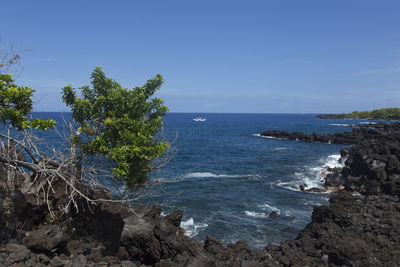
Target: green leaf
<point>16,105</point>
<point>120,123</point>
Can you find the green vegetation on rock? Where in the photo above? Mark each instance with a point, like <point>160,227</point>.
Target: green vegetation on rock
<point>380,114</point>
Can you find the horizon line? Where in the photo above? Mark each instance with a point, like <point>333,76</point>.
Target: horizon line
<point>208,112</point>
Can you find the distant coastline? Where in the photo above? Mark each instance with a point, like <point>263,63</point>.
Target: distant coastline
<point>377,114</point>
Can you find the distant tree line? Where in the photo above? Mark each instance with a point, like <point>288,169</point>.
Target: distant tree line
<point>379,114</point>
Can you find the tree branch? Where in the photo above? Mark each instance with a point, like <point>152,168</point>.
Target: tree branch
<point>22,145</point>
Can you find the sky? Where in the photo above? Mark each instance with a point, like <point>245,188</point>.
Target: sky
<point>263,56</point>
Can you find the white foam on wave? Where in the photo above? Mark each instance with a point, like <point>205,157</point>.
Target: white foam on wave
<point>340,124</point>
<point>280,148</point>
<point>312,203</point>
<point>213,175</point>
<point>192,228</point>
<point>255,214</point>
<point>199,119</point>
<point>333,161</point>
<point>268,137</point>
<point>309,179</point>
<point>313,176</point>
<point>367,122</point>
<point>158,180</point>
<point>263,136</point>
<point>268,207</point>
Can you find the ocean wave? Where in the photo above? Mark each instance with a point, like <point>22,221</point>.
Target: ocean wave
<point>280,148</point>
<point>268,207</point>
<point>255,214</point>
<point>263,136</point>
<point>213,175</point>
<point>312,176</point>
<point>312,203</point>
<point>192,228</point>
<point>307,180</point>
<point>341,124</point>
<point>333,161</point>
<point>269,137</point>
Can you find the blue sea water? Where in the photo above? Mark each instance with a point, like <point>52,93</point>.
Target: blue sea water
<point>227,178</point>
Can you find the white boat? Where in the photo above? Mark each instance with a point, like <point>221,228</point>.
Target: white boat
<point>199,119</point>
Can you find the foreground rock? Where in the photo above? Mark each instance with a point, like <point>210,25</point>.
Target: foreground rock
<point>108,234</point>
<point>354,230</point>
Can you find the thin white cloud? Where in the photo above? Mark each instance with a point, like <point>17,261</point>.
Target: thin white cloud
<point>366,72</point>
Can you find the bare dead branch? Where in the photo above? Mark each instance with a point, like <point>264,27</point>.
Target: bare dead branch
<point>45,174</point>
<point>10,60</point>
<point>22,145</point>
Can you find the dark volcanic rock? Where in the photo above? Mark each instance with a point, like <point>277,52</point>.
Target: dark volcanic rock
<point>338,138</point>
<point>15,254</point>
<point>330,116</point>
<point>372,165</point>
<point>273,215</point>
<point>45,238</point>
<point>352,231</point>
<point>333,178</point>
<point>355,230</point>
<point>383,132</point>
<point>315,190</point>
<point>175,218</point>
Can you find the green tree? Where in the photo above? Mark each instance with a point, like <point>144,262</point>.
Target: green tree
<point>16,105</point>
<point>119,123</point>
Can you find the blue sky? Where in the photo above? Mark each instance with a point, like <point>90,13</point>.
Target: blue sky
<point>215,56</point>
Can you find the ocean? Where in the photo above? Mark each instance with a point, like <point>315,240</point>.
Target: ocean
<point>228,179</point>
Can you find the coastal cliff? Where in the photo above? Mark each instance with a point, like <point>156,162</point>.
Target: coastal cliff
<point>360,227</point>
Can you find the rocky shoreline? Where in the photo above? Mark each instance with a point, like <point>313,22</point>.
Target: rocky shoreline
<point>361,227</point>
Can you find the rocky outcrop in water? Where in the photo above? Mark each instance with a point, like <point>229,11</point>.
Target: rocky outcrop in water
<point>330,116</point>
<point>345,138</point>
<point>380,131</point>
<point>372,164</point>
